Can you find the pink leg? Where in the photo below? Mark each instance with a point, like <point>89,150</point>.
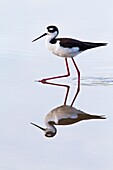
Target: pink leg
<point>61,85</point>
<point>66,75</point>
<point>78,88</point>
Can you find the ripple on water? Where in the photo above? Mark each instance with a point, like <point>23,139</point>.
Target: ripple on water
<point>95,81</point>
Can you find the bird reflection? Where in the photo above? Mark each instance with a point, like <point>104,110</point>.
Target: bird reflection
<point>64,115</point>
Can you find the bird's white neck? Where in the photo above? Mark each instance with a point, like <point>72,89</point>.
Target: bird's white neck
<point>51,127</point>
<point>51,36</point>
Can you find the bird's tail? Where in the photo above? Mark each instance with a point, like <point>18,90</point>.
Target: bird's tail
<point>88,116</point>
<point>89,45</point>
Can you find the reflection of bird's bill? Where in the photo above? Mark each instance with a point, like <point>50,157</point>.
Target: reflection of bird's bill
<point>40,37</point>
<point>38,126</point>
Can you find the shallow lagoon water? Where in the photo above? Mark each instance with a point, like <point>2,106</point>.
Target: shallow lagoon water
<point>85,145</point>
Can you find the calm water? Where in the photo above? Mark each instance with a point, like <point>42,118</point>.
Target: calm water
<point>85,145</point>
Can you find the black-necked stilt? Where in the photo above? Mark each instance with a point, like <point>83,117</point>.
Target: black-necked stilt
<point>67,48</point>
<point>64,115</point>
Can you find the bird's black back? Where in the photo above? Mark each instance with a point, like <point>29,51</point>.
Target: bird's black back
<point>70,43</point>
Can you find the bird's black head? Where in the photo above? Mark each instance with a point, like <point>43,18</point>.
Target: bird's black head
<point>50,132</point>
<point>52,29</point>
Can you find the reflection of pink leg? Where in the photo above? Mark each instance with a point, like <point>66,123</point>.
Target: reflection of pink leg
<point>78,88</point>
<point>61,85</point>
<point>66,75</point>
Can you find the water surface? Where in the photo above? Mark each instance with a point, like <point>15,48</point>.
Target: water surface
<point>83,146</point>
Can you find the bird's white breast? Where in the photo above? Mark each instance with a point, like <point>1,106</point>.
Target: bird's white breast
<point>62,51</point>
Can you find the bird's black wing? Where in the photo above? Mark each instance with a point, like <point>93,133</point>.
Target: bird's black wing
<point>70,43</point>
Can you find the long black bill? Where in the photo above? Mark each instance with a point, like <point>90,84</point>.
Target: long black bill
<point>37,126</point>
<point>40,37</point>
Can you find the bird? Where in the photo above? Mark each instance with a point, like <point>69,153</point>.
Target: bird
<point>65,48</point>
<point>64,115</point>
